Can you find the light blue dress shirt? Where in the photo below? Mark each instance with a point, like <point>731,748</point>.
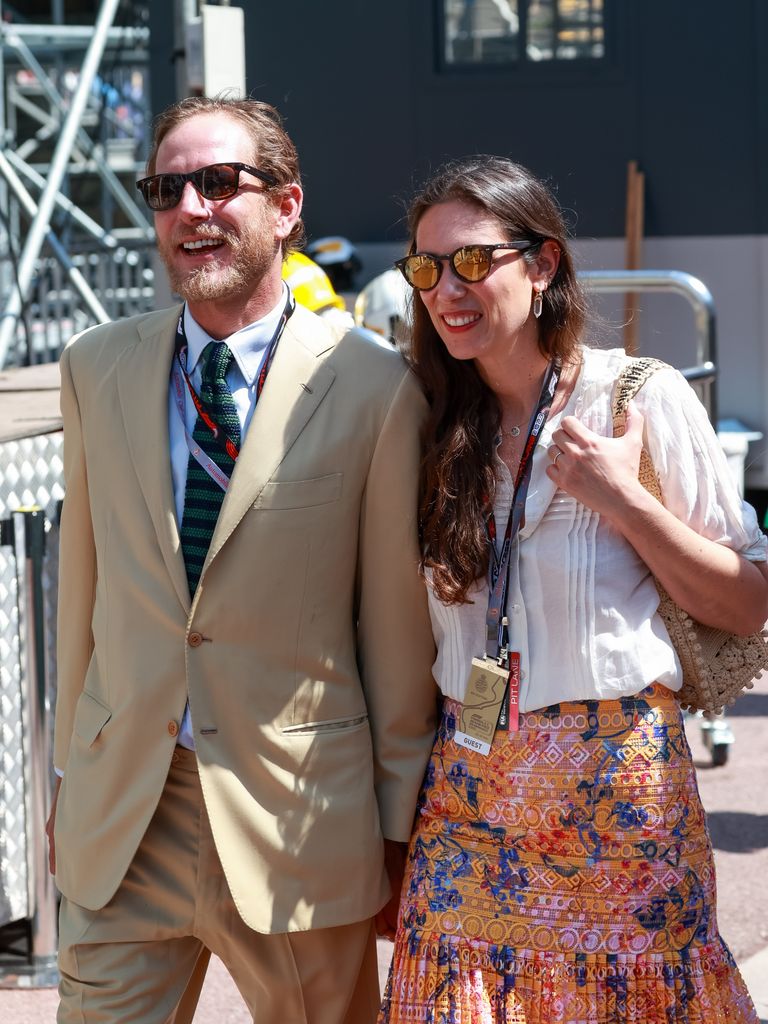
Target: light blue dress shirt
<point>249,346</point>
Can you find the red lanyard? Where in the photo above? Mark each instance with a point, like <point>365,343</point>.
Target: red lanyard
<point>180,357</point>
<point>180,376</point>
<point>499,562</point>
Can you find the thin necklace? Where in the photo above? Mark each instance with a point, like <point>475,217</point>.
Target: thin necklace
<point>512,431</point>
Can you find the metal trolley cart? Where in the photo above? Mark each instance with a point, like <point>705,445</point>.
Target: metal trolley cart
<point>716,732</point>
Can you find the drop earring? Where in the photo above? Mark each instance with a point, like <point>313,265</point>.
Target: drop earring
<point>538,302</point>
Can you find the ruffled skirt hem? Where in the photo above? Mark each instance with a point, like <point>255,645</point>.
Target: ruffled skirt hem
<point>441,980</point>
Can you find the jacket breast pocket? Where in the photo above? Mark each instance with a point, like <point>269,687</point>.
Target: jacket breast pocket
<point>284,494</point>
<point>350,723</point>
<point>90,717</point>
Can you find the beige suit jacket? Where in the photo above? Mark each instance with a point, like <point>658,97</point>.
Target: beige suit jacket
<point>311,692</point>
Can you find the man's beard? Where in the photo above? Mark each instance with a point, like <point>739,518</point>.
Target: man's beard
<point>250,256</point>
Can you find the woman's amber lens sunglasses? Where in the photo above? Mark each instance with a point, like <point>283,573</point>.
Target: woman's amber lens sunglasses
<point>470,263</point>
<point>216,181</point>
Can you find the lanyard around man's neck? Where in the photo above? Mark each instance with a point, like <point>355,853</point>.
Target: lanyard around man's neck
<point>181,377</point>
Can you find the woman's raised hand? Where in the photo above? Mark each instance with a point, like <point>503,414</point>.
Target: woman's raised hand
<point>600,472</point>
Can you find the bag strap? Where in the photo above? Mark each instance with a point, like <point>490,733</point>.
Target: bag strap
<point>632,377</point>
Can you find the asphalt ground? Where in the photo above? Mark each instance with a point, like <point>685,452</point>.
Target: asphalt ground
<point>736,799</point>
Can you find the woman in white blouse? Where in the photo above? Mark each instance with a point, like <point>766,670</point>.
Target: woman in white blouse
<point>560,868</point>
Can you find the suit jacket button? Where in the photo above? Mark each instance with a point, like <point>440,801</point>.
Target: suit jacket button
<point>173,728</point>
<point>195,639</point>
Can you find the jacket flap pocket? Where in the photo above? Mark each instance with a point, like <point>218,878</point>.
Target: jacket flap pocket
<point>91,717</point>
<point>300,493</point>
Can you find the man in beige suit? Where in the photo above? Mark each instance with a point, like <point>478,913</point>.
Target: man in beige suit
<point>245,699</point>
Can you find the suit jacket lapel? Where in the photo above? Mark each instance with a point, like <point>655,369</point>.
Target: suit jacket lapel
<point>143,373</point>
<point>296,385</point>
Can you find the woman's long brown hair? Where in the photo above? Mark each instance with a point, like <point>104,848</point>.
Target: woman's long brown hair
<point>458,479</point>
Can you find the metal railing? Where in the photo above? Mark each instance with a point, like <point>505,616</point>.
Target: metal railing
<point>703,374</point>
<point>123,280</point>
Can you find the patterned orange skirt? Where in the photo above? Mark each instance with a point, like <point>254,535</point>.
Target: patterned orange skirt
<point>567,878</point>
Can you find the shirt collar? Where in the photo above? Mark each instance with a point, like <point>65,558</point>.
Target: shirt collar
<point>247,345</point>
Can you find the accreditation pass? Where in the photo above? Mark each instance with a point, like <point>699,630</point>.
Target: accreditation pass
<point>486,686</point>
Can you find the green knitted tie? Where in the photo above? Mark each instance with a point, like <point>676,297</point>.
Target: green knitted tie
<point>202,495</point>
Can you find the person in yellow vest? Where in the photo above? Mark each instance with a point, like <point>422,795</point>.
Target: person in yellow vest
<point>312,288</point>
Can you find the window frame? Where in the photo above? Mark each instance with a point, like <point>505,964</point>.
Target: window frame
<point>523,65</point>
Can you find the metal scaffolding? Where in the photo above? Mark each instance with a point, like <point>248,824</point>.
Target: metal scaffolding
<point>74,243</point>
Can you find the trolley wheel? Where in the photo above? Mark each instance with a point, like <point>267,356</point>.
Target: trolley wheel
<point>719,754</point>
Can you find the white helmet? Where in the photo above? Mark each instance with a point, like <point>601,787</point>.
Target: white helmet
<point>338,258</point>
<point>383,306</point>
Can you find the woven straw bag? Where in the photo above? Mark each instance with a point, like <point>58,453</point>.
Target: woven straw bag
<point>717,665</point>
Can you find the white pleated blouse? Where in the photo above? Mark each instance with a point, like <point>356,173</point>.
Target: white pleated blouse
<point>581,604</point>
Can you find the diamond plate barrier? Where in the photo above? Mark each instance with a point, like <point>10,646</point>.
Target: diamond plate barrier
<point>31,479</point>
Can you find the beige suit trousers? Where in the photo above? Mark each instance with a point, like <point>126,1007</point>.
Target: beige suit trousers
<point>132,960</point>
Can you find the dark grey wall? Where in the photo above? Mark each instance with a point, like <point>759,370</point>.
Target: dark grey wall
<point>684,90</point>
